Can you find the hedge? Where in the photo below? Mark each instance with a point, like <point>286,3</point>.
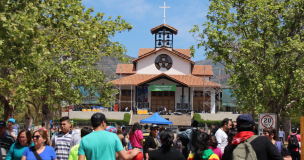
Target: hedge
<point>125,121</point>
<point>202,122</point>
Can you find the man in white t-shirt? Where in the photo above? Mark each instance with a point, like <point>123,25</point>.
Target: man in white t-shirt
<point>281,135</point>
<point>221,135</point>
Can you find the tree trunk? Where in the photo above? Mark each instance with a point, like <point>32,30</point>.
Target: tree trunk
<point>252,113</point>
<point>286,125</point>
<point>60,112</point>
<point>28,121</point>
<point>277,127</point>
<point>46,115</point>
<point>8,109</point>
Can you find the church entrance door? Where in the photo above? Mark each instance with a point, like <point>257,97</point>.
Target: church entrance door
<point>162,99</point>
<point>199,101</point>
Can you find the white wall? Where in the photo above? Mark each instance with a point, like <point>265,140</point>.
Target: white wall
<point>87,115</point>
<point>147,65</point>
<point>218,116</point>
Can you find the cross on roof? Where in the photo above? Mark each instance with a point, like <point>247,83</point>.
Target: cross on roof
<point>164,7</point>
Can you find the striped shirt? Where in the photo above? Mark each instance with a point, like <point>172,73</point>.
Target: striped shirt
<point>5,144</point>
<point>63,143</point>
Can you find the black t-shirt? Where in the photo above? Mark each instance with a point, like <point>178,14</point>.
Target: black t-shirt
<point>149,143</point>
<point>262,146</point>
<point>160,154</point>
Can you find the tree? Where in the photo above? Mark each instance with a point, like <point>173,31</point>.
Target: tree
<point>261,45</point>
<point>18,26</point>
<point>67,44</point>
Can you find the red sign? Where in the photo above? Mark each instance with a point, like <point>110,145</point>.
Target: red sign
<point>267,121</point>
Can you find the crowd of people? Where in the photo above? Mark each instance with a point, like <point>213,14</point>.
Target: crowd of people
<point>232,140</point>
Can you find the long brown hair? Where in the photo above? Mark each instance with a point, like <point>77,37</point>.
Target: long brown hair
<point>119,131</point>
<point>44,135</point>
<point>213,141</point>
<point>28,136</point>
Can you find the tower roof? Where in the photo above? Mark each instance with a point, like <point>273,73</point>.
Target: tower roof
<point>162,26</point>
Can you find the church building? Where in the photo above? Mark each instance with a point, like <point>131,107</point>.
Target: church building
<point>165,77</point>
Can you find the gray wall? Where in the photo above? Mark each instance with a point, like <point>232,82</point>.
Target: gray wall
<point>87,115</point>
<point>219,116</point>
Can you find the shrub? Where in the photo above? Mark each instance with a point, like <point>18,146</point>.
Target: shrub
<point>202,122</point>
<point>125,121</point>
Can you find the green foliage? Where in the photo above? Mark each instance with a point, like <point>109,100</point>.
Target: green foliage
<point>295,121</point>
<point>127,117</point>
<point>48,48</point>
<point>209,123</point>
<point>260,43</point>
<point>125,121</point>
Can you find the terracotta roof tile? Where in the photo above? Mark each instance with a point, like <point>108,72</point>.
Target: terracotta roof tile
<point>126,69</point>
<point>188,80</point>
<point>194,81</point>
<point>201,70</point>
<point>185,52</point>
<point>133,80</point>
<point>175,31</point>
<point>143,54</point>
<point>143,51</point>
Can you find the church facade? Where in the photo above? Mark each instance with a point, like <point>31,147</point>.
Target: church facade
<point>165,77</point>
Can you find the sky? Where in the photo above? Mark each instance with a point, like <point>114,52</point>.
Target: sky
<point>146,14</point>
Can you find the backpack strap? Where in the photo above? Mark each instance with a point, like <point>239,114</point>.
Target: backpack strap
<point>279,145</point>
<point>249,140</point>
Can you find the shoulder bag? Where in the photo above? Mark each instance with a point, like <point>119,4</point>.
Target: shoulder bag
<point>35,153</point>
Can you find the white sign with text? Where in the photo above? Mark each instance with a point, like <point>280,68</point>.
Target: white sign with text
<point>266,120</point>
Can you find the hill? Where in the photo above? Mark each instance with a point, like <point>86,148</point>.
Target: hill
<point>108,65</point>
<point>219,75</point>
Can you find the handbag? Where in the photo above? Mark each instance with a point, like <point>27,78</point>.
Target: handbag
<point>35,153</point>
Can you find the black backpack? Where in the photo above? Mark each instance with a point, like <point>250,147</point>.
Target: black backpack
<point>293,141</point>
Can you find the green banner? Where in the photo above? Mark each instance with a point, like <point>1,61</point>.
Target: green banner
<point>159,87</point>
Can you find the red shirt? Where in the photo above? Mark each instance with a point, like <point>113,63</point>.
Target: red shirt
<point>299,140</point>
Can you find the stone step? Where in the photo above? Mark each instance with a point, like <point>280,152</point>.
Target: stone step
<point>177,120</point>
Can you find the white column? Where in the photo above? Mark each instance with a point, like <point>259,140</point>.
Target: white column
<point>212,107</point>
<point>149,99</point>
<point>191,98</point>
<point>134,96</point>
<point>131,99</point>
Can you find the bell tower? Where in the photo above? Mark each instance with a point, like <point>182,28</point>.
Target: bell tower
<point>164,36</point>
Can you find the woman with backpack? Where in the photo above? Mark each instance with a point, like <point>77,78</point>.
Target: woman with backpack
<point>270,133</point>
<point>200,142</point>
<point>293,144</point>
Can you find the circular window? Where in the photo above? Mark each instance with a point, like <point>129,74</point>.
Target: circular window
<point>163,62</point>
